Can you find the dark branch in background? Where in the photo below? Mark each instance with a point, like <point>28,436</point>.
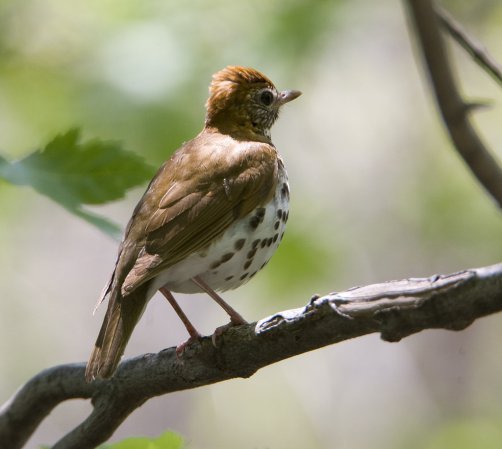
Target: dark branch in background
<point>454,110</point>
<point>394,309</point>
<point>477,50</point>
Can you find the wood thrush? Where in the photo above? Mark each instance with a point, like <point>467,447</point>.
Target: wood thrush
<point>212,216</point>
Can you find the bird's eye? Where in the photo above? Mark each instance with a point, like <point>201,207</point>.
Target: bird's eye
<point>266,97</point>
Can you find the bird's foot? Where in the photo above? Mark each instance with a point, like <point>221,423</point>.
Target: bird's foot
<point>219,331</point>
<point>180,349</point>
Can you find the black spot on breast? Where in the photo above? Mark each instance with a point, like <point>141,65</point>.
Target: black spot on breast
<point>254,222</point>
<point>276,236</point>
<point>239,244</point>
<point>248,264</point>
<point>263,243</point>
<point>257,218</point>
<point>251,253</point>
<point>229,278</point>
<point>244,276</point>
<point>215,264</point>
<point>255,243</point>
<point>279,213</point>
<point>282,235</point>
<point>253,274</point>
<point>276,225</point>
<point>284,191</point>
<point>269,241</point>
<point>226,257</point>
<point>285,216</point>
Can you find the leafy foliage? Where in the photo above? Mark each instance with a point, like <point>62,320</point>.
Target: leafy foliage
<point>168,440</point>
<point>292,31</point>
<point>74,173</point>
<point>465,434</point>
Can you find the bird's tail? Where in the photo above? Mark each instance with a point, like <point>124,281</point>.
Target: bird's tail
<point>118,324</point>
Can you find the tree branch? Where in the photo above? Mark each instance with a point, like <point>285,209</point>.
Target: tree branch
<point>394,309</point>
<point>475,49</point>
<point>454,110</point>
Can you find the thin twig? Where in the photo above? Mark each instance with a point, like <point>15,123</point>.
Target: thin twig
<point>474,48</point>
<point>454,110</point>
<point>394,309</point>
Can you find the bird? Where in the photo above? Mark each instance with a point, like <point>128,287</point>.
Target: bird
<point>210,218</point>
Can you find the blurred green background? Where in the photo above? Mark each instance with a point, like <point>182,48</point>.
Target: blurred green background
<point>377,193</point>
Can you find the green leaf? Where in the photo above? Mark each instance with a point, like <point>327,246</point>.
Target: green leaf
<point>168,440</point>
<point>70,171</point>
<point>74,173</point>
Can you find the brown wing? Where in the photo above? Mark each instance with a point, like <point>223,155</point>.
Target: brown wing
<point>207,185</point>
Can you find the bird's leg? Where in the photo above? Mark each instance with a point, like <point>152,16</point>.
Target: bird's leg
<point>194,334</point>
<point>235,317</point>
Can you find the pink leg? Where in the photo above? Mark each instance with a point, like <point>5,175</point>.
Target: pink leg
<point>194,335</point>
<point>235,317</point>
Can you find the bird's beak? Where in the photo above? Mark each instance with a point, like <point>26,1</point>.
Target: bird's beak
<point>287,95</point>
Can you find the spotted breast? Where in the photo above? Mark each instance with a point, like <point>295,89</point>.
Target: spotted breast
<point>243,249</point>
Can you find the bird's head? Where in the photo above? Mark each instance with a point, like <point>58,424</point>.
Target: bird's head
<point>244,102</point>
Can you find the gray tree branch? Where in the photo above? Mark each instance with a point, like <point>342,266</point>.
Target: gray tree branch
<point>454,110</point>
<point>395,309</point>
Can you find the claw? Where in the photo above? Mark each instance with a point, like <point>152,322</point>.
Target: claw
<point>181,348</point>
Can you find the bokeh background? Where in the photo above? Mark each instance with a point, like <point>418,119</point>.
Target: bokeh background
<point>378,193</point>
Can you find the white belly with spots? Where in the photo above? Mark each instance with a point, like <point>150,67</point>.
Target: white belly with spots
<point>243,250</point>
